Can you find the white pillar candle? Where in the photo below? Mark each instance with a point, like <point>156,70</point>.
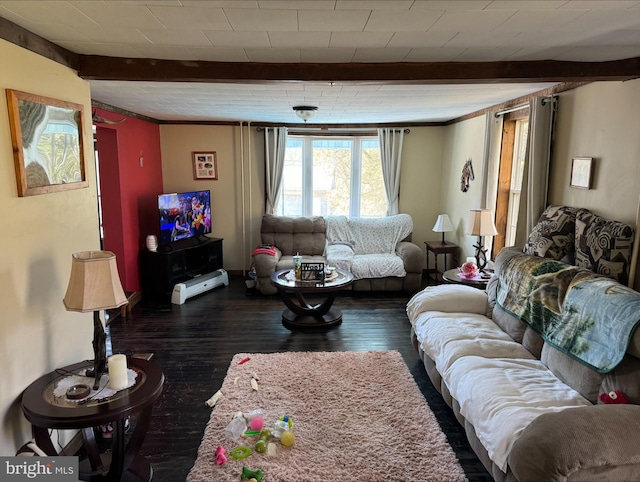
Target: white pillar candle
<point>118,372</point>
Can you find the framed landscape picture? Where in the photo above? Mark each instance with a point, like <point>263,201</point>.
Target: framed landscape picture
<point>205,165</point>
<point>47,137</point>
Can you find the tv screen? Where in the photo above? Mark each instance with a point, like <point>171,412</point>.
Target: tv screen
<point>184,215</point>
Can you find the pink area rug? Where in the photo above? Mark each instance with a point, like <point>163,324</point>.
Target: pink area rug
<point>357,416</point>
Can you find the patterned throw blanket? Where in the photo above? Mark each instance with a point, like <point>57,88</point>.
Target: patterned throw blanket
<point>585,315</point>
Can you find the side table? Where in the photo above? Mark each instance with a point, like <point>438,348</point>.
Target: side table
<point>453,276</point>
<point>122,462</point>
<point>438,248</point>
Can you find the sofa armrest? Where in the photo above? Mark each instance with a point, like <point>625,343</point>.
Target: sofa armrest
<point>411,255</point>
<point>449,298</point>
<point>599,442</point>
<point>265,264</point>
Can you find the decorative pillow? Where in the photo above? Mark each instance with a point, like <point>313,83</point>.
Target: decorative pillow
<point>603,246</point>
<point>554,234</point>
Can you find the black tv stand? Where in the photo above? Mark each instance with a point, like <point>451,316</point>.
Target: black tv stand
<point>179,261</point>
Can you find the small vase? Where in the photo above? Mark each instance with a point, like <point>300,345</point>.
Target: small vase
<point>152,242</point>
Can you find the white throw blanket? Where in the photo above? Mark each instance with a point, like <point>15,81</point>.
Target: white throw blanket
<point>367,246</point>
<point>499,385</point>
<point>501,397</point>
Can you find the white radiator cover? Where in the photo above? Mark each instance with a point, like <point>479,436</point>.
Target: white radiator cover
<point>198,285</point>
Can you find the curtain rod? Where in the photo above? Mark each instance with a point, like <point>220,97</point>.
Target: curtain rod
<point>552,98</point>
<point>302,130</point>
<point>511,109</point>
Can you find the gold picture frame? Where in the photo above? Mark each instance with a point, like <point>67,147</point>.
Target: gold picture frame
<point>581,172</point>
<point>48,143</point>
<point>205,165</point>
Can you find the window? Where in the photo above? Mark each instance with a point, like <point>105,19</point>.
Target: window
<point>515,131</point>
<point>517,169</point>
<point>326,176</point>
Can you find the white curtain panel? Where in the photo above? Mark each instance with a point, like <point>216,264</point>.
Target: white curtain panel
<point>275,142</point>
<point>535,179</point>
<point>491,165</point>
<point>391,157</point>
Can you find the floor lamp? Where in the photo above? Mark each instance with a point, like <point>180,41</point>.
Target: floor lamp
<point>94,285</point>
<point>481,224</point>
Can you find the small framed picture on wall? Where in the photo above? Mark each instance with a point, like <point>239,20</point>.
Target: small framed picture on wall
<point>205,165</point>
<point>581,168</point>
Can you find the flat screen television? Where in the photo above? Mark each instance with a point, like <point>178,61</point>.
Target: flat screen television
<point>184,215</point>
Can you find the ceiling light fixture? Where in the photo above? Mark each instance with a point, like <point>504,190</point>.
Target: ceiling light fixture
<point>305,112</point>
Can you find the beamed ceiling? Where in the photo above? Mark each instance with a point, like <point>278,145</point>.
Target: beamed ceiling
<point>405,62</point>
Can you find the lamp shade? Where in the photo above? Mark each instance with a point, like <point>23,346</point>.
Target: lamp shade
<point>94,283</point>
<point>443,224</point>
<point>481,223</point>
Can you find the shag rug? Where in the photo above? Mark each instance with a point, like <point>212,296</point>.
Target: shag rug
<point>356,416</point>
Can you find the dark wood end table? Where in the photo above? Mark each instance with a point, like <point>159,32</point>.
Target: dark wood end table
<point>453,276</point>
<point>438,248</point>
<point>122,463</point>
<point>300,313</point>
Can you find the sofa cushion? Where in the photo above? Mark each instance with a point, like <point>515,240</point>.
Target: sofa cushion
<point>369,235</point>
<point>517,390</point>
<point>304,235</point>
<point>554,234</point>
<point>377,266</point>
<point>575,374</point>
<point>446,337</point>
<point>603,246</point>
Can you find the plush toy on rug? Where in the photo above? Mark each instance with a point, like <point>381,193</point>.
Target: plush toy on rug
<point>613,397</point>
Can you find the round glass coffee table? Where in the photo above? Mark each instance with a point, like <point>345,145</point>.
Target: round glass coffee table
<point>300,312</point>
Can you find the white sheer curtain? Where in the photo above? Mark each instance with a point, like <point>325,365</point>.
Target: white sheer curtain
<point>391,157</point>
<point>275,141</point>
<point>535,179</point>
<point>491,165</point>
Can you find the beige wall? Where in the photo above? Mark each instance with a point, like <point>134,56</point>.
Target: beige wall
<point>232,194</point>
<point>420,186</point>
<point>600,120</point>
<point>40,233</point>
<point>463,141</point>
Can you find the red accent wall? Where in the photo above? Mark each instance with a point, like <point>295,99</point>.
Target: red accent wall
<point>129,190</point>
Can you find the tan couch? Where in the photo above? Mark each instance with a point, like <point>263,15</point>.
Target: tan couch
<point>531,411</point>
<point>307,236</point>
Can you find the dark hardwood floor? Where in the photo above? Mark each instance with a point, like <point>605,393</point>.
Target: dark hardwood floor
<point>193,343</point>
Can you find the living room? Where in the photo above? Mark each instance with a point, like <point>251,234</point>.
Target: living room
<point>597,120</point>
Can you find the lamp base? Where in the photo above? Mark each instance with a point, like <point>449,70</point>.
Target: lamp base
<point>99,351</point>
<point>481,255</point>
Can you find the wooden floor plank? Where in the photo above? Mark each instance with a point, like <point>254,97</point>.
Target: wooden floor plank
<point>193,343</point>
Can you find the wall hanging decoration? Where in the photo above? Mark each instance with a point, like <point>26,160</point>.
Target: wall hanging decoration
<point>205,165</point>
<point>47,137</point>
<point>467,175</point>
<point>581,168</point>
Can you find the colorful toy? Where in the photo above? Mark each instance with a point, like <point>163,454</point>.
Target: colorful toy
<point>261,445</point>
<point>285,423</point>
<point>256,423</point>
<point>287,438</point>
<point>248,473</point>
<point>241,452</point>
<point>614,397</point>
<point>221,458</point>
